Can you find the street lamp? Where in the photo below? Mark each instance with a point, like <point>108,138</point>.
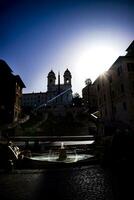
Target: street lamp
<point>88,83</point>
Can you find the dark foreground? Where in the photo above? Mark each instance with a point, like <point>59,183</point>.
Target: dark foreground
<point>71,183</point>
<point>87,182</point>
<point>79,183</point>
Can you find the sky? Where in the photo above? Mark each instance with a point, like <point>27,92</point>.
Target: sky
<point>84,36</point>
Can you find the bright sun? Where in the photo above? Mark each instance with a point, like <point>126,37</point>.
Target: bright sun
<point>93,61</point>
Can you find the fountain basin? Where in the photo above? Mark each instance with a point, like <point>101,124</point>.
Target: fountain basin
<point>54,158</point>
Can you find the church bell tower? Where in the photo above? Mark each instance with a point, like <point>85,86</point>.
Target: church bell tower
<point>67,77</point>
<point>51,80</point>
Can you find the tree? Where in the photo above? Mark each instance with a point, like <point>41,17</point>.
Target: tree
<point>88,81</point>
<point>77,100</point>
<point>76,95</point>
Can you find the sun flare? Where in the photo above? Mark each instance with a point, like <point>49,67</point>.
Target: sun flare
<point>95,61</point>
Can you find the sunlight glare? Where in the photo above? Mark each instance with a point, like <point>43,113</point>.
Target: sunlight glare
<point>95,61</point>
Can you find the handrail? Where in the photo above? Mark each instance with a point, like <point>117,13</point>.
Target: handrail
<point>52,138</point>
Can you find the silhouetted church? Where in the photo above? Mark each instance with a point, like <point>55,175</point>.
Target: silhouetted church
<point>62,92</point>
<point>56,94</point>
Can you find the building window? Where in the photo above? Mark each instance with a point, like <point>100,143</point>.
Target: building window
<point>110,79</point>
<point>114,109</point>
<point>113,94</point>
<point>122,88</point>
<point>104,97</point>
<point>67,80</point>
<point>98,87</point>
<point>99,100</point>
<point>132,85</point>
<point>124,106</point>
<point>119,70</point>
<point>130,67</point>
<point>105,111</point>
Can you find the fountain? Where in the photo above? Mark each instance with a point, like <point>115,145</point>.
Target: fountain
<point>62,153</point>
<point>58,155</point>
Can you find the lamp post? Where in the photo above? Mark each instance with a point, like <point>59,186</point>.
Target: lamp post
<point>88,98</point>
<point>88,83</point>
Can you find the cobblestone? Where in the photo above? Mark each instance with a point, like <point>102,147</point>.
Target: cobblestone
<point>78,183</point>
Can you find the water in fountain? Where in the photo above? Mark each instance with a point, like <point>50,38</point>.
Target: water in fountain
<point>62,153</point>
<point>54,157</point>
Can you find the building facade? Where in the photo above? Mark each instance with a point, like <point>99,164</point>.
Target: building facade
<point>90,97</point>
<point>33,100</point>
<point>56,94</point>
<point>115,90</point>
<point>10,94</point>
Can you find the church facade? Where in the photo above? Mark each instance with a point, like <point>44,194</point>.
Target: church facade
<point>57,93</point>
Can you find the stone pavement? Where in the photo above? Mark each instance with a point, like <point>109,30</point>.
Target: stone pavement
<point>72,183</point>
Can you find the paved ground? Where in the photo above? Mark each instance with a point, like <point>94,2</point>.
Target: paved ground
<point>78,183</point>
